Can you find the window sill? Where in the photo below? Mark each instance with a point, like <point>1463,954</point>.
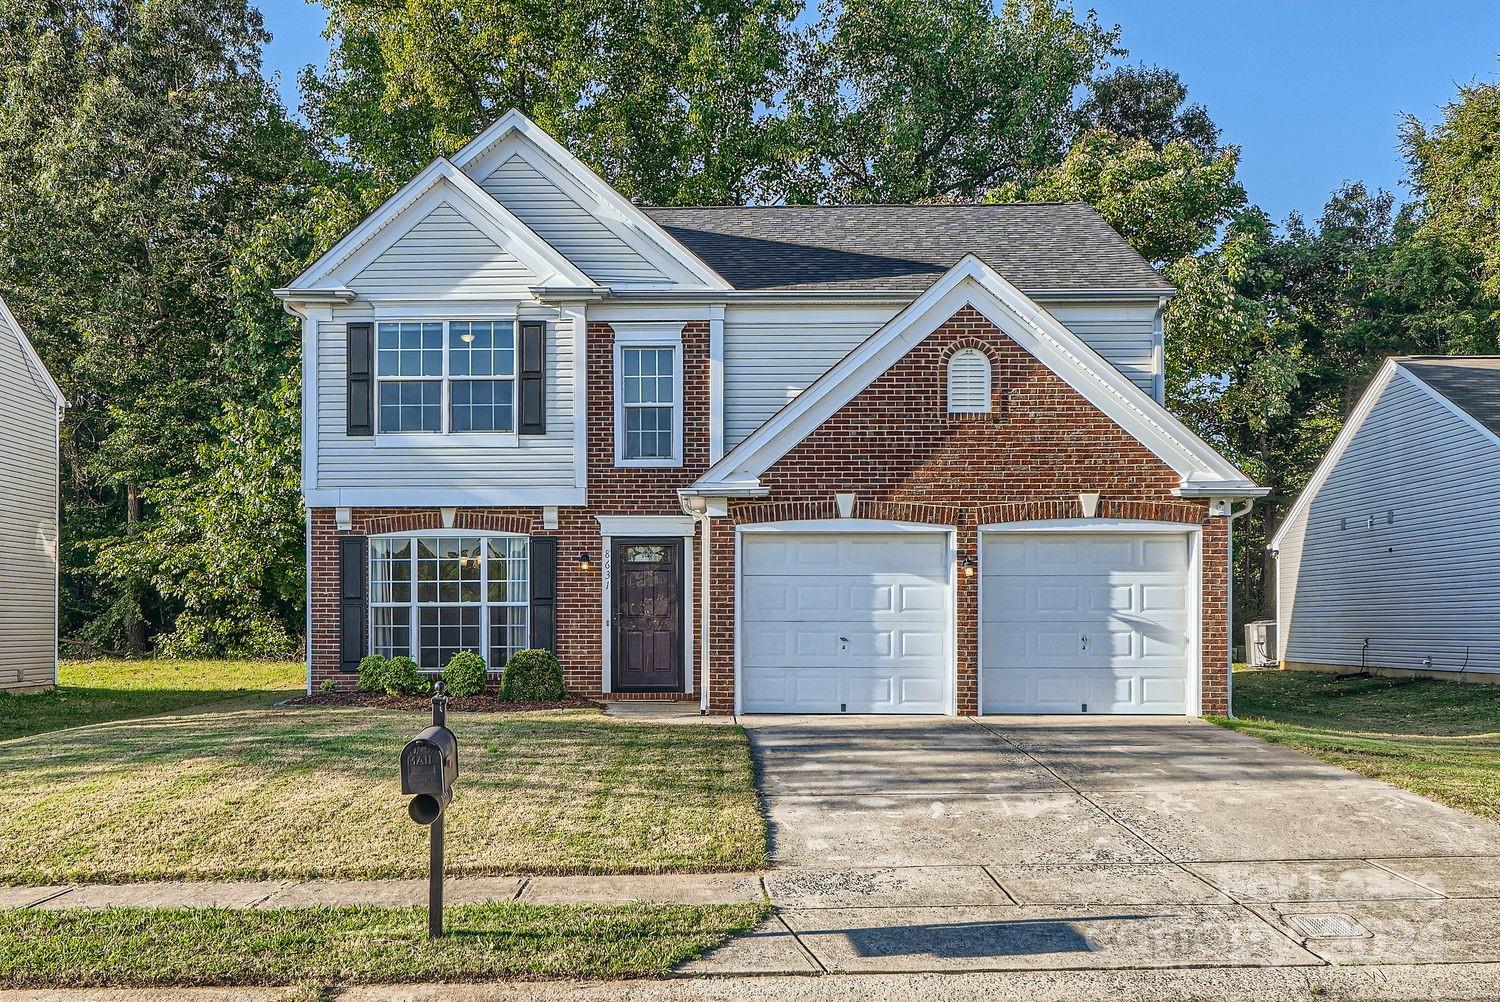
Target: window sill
<point>452,440</point>
<point>647,464</point>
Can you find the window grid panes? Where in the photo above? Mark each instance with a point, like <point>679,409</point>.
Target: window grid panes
<point>433,596</point>
<point>455,376</point>
<point>648,395</point>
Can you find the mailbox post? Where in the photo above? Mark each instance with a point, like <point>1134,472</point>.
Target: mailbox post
<point>429,765</point>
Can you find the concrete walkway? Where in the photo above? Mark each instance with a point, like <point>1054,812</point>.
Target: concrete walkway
<point>713,888</point>
<point>1010,844</point>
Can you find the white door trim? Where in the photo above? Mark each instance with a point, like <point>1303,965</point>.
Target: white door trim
<point>1194,538</point>
<point>851,525</point>
<point>666,527</point>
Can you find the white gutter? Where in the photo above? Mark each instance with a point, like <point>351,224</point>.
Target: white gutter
<point>697,507</point>
<point>1229,602</point>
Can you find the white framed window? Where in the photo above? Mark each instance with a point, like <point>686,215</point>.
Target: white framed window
<point>435,594</point>
<point>648,400</point>
<point>445,377</point>
<point>969,382</point>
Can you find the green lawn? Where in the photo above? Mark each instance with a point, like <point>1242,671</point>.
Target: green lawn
<point>96,691</point>
<point>135,947</point>
<point>1437,739</point>
<point>255,791</point>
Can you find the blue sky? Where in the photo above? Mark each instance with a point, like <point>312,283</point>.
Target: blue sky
<point>1312,92</point>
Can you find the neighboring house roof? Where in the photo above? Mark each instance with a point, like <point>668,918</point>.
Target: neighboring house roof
<point>1037,246</point>
<point>8,324</point>
<point>1469,382</point>
<point>971,282</point>
<point>1467,385</point>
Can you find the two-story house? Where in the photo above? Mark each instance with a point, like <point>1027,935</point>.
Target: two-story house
<point>870,458</point>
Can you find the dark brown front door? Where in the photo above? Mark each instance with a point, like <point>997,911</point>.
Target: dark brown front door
<point>647,614</point>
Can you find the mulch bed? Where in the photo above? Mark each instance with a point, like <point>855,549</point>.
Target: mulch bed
<point>484,702</point>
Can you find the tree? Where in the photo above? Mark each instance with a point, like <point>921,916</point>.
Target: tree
<point>663,99</point>
<point>891,101</point>
<point>1150,103</point>
<point>140,149</point>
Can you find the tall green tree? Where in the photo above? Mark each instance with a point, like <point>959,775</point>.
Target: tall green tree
<point>663,98</point>
<point>140,151</point>
<point>891,101</point>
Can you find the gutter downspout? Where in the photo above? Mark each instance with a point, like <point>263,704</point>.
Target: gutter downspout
<point>697,507</point>
<point>1229,610</point>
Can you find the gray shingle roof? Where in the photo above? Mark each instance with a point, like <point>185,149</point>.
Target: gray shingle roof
<point>1470,382</point>
<point>1037,246</point>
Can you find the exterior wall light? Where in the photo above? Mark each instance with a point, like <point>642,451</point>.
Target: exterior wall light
<point>585,562</point>
<point>970,565</point>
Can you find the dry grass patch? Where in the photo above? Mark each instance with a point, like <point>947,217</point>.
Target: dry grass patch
<point>297,793</point>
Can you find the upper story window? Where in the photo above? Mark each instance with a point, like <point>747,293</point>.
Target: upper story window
<point>453,376</point>
<point>969,382</point>
<point>648,402</point>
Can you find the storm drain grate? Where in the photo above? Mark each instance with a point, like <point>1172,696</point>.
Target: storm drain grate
<point>1329,926</point>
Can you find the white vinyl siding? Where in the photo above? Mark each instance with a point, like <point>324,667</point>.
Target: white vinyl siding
<point>443,255</point>
<point>576,233</point>
<point>771,354</point>
<point>28,521</point>
<point>358,462</point>
<point>1124,334</point>
<point>1399,546</point>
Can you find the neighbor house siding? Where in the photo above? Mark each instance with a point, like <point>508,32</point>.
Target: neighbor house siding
<point>28,521</point>
<point>579,235</point>
<point>773,353</point>
<point>1399,546</point>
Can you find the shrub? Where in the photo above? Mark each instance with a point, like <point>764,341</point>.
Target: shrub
<point>466,674</point>
<point>404,678</point>
<point>328,685</point>
<point>372,672</point>
<point>532,675</point>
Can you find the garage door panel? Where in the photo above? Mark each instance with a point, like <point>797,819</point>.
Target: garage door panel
<point>855,623</point>
<point>1098,621</point>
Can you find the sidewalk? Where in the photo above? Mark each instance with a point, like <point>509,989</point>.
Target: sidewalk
<point>685,889</point>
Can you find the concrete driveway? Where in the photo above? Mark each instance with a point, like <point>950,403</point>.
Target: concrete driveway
<point>1031,843</point>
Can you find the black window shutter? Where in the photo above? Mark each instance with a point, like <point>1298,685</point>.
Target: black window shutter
<point>544,592</point>
<point>353,604</point>
<point>531,383</point>
<point>361,387</point>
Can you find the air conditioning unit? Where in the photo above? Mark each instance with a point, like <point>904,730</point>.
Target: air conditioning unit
<point>1260,644</point>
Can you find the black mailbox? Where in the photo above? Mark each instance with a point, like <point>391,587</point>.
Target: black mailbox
<point>429,765</point>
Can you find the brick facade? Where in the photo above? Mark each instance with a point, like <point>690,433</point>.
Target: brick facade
<point>894,446</point>
<point>905,458</point>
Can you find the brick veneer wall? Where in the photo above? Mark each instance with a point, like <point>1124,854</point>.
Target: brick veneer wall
<point>896,447</point>
<point>612,491</point>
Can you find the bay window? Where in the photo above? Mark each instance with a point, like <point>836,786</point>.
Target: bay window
<point>451,376</point>
<point>433,596</point>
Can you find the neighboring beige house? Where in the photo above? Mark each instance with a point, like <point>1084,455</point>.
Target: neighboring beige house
<point>30,407</point>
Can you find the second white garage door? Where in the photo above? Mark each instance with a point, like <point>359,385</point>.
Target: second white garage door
<point>844,622</point>
<point>1085,622</point>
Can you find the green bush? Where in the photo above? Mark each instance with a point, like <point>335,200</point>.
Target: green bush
<point>404,678</point>
<point>372,672</point>
<point>466,674</point>
<point>532,675</point>
<point>328,685</point>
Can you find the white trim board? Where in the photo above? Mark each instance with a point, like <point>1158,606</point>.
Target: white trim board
<point>515,134</point>
<point>440,183</point>
<point>28,351</point>
<point>973,283</point>
<point>646,525</point>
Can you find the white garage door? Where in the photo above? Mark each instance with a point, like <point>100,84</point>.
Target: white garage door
<point>1085,623</point>
<point>844,622</point>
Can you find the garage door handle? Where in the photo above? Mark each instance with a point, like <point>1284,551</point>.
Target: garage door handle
<point>1085,639</point>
